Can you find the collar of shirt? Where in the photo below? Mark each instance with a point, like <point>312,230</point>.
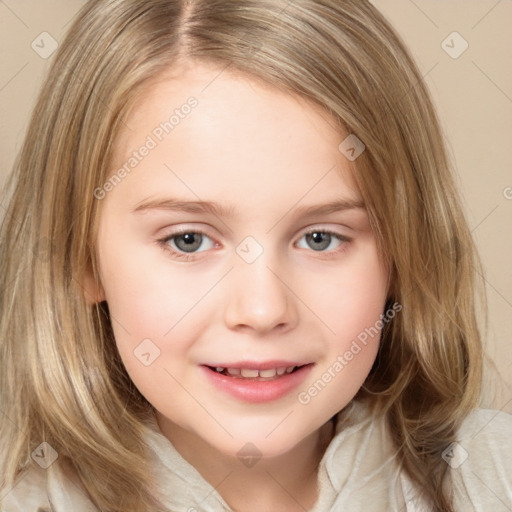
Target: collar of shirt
<point>359,462</point>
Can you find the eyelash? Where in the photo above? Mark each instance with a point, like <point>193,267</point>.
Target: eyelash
<point>190,256</point>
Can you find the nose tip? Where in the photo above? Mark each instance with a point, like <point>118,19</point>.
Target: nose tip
<point>258,299</point>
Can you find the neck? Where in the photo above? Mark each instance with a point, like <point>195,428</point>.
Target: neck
<point>284,482</point>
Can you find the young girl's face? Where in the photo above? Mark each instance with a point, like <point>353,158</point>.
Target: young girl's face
<point>206,262</point>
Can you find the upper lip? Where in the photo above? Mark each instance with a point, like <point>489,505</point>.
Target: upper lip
<point>257,365</point>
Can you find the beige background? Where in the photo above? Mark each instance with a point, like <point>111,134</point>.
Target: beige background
<point>473,93</point>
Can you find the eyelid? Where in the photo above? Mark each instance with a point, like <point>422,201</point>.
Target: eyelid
<point>164,239</point>
<point>308,230</point>
<point>332,253</point>
<point>321,228</point>
<point>181,230</point>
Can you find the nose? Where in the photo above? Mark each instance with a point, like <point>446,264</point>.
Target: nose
<point>259,298</point>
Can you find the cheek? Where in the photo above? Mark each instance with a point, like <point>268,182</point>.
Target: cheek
<point>353,298</point>
<point>351,306</point>
<point>147,297</point>
<point>172,308</point>
<point>150,328</point>
<point>145,305</point>
<point>356,310</point>
<point>157,313</point>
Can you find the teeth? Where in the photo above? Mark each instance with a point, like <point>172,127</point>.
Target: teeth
<point>252,373</point>
<point>249,373</point>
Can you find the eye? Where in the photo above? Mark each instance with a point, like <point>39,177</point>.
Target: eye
<point>319,240</point>
<point>186,242</point>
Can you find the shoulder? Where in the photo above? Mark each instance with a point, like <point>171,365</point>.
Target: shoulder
<point>55,489</point>
<point>485,435</point>
<point>28,493</point>
<point>481,462</point>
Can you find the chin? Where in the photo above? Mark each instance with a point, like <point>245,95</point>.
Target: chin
<point>260,441</point>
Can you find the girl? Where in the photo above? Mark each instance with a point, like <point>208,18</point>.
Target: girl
<point>236,274</point>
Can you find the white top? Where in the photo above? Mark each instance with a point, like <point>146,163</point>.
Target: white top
<point>358,472</point>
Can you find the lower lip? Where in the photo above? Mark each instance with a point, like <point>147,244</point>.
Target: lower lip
<point>258,391</point>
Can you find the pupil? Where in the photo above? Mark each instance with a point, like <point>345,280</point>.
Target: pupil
<point>323,239</point>
<point>189,242</point>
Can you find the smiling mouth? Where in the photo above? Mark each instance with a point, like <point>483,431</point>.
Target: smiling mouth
<point>257,382</point>
<point>255,374</point>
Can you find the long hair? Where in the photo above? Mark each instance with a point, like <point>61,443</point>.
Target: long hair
<point>62,380</point>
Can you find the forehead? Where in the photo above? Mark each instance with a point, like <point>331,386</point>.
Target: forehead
<point>241,133</point>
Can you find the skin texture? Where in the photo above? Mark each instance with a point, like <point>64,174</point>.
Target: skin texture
<point>264,154</point>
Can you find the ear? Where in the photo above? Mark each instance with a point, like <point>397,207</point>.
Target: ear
<point>93,290</point>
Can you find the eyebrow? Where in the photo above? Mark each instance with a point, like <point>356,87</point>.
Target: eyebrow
<point>197,207</point>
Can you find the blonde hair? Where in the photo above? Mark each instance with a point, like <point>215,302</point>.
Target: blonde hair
<point>62,380</point>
